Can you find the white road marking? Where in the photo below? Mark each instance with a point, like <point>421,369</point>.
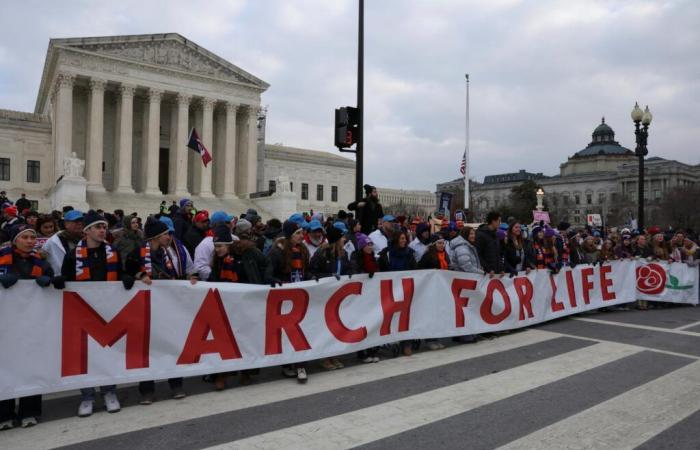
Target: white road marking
<point>627,420</point>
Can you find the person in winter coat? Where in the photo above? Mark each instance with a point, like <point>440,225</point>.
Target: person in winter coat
<point>488,246</point>
<point>251,265</point>
<point>642,249</point>
<point>364,261</point>
<point>398,257</point>
<point>330,260</point>
<point>544,249</point>
<point>156,264</point>
<point>45,228</point>
<point>435,257</point>
<point>197,232</point>
<point>576,255</point>
<point>516,255</point>
<point>64,241</point>
<point>368,210</point>
<point>590,252</point>
<point>464,255</point>
<point>420,243</point>
<point>290,263</point>
<point>625,250</point>
<point>130,240</point>
<point>607,251</point>
<point>315,237</point>
<point>95,260</point>
<point>182,218</point>
<point>19,261</point>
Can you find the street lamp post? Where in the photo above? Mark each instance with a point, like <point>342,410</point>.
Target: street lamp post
<point>641,134</point>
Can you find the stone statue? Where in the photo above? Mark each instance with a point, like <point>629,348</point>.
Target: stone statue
<point>73,166</point>
<point>283,184</point>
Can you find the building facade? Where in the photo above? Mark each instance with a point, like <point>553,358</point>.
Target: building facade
<point>599,179</point>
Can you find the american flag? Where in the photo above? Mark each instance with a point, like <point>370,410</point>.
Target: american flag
<point>463,166</point>
<point>195,143</point>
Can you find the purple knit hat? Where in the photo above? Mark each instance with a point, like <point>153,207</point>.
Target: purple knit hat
<point>362,240</point>
<point>549,232</point>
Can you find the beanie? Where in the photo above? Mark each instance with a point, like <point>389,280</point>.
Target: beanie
<point>334,234</point>
<point>289,228</point>
<point>154,228</point>
<point>18,229</point>
<point>243,226</point>
<point>222,235</point>
<point>362,240</point>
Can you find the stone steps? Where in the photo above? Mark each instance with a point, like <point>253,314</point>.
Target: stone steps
<point>144,204</point>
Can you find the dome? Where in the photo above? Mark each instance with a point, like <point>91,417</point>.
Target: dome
<point>603,143</point>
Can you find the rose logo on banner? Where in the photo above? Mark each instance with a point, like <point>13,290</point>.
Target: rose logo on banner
<point>651,279</point>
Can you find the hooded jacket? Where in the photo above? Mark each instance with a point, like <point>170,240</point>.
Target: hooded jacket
<point>464,256</point>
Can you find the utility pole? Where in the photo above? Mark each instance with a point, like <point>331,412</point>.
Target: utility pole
<point>359,155</point>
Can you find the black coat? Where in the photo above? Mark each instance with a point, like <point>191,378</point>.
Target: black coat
<point>511,260</point>
<point>430,260</point>
<point>251,265</point>
<point>489,249</point>
<point>182,222</point>
<point>410,262</point>
<point>98,264</point>
<point>193,237</point>
<point>324,264</point>
<point>369,214</point>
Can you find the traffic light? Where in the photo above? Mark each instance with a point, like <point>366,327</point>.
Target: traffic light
<point>346,126</point>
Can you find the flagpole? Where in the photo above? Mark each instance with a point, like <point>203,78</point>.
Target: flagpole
<point>466,151</point>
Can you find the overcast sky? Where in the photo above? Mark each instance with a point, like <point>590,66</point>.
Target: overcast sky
<point>542,72</point>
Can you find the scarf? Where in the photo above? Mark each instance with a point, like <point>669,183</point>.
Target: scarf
<point>397,259</point>
<point>370,263</point>
<point>297,272</point>
<point>181,253</point>
<point>228,271</point>
<point>442,259</point>
<point>7,259</point>
<point>543,256</point>
<point>565,252</point>
<point>82,262</point>
<point>147,262</point>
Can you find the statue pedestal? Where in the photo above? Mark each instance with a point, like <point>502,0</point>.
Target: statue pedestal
<point>70,191</point>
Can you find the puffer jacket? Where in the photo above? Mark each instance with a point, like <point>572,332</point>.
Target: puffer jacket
<point>463,256</point>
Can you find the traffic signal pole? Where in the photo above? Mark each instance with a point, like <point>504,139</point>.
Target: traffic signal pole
<point>360,100</point>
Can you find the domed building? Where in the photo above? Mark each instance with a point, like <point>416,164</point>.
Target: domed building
<point>598,179</point>
<point>603,153</point>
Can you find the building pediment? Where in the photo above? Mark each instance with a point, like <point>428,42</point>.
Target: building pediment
<point>169,51</point>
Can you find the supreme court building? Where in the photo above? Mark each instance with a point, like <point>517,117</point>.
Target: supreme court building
<point>111,123</point>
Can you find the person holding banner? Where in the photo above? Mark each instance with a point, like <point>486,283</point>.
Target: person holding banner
<point>435,257</point>
<point>94,260</point>
<point>488,246</point>
<point>330,260</point>
<point>398,256</point>
<point>544,249</point>
<point>157,264</point>
<point>364,261</point>
<point>20,261</point>
<point>290,264</point>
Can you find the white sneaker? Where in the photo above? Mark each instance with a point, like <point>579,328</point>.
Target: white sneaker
<point>7,425</point>
<point>28,422</point>
<point>112,402</point>
<point>368,360</point>
<point>85,408</point>
<point>301,375</point>
<point>434,346</point>
<point>376,359</point>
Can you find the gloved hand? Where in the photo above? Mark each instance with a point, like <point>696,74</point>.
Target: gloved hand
<point>371,274</point>
<point>337,277</point>
<point>275,282</point>
<point>59,282</point>
<point>43,281</point>
<point>8,280</point>
<point>128,281</point>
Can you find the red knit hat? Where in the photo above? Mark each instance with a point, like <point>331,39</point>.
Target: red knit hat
<point>11,211</point>
<point>201,216</point>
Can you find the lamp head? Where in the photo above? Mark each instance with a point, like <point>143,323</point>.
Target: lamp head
<point>646,118</point>
<point>637,113</point>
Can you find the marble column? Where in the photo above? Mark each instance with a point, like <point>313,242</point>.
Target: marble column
<point>207,138</point>
<point>63,112</point>
<point>228,158</point>
<point>251,184</point>
<point>178,152</point>
<point>124,151</point>
<point>152,146</point>
<point>95,152</point>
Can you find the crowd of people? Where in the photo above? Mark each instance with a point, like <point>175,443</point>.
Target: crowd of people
<point>181,243</point>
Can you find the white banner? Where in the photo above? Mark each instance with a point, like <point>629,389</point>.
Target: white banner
<point>97,333</point>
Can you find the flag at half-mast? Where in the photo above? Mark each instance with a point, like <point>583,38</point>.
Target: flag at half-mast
<point>463,166</point>
<point>196,144</point>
